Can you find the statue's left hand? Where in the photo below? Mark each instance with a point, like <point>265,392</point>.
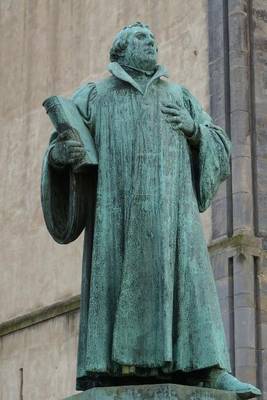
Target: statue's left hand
<point>179,118</point>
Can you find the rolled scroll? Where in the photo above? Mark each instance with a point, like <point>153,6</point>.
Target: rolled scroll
<point>65,116</point>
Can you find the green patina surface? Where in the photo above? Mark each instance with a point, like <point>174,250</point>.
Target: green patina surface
<point>154,392</point>
<point>148,295</point>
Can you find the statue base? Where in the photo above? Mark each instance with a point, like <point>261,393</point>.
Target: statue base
<point>167,391</point>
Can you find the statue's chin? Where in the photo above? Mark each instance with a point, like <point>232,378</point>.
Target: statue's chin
<point>147,64</point>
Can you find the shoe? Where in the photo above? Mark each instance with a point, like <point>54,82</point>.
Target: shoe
<point>222,380</point>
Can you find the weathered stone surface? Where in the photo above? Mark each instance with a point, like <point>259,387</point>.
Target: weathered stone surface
<point>39,362</point>
<point>260,82</point>
<point>219,104</point>
<point>154,392</point>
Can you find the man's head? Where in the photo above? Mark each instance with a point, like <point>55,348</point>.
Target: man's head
<point>135,46</point>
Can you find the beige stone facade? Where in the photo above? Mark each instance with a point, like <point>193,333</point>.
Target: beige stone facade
<point>51,47</point>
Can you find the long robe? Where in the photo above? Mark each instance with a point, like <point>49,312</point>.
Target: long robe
<point>148,295</point>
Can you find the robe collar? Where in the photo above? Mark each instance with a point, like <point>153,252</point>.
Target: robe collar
<point>117,70</point>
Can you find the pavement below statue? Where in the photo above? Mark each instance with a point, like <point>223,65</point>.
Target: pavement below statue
<point>167,391</point>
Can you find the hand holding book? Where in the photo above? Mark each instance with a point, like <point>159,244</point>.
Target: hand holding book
<point>68,150</point>
<point>74,145</point>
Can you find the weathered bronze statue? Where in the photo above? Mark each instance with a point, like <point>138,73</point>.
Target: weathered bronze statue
<point>149,308</point>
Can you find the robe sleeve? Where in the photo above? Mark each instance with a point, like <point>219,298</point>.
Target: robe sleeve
<point>68,198</point>
<point>210,151</point>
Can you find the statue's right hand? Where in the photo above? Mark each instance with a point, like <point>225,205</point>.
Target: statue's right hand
<point>67,151</point>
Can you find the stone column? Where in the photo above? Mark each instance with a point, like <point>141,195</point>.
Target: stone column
<point>239,214</point>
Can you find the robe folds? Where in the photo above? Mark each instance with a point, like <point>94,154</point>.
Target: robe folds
<point>148,294</point>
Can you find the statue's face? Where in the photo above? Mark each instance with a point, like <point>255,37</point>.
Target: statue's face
<point>141,51</point>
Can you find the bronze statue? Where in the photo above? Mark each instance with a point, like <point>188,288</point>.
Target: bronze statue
<point>149,307</point>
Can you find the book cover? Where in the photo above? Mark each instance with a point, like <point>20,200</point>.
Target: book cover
<point>64,115</point>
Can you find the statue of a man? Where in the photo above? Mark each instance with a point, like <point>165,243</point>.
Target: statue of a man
<point>149,308</point>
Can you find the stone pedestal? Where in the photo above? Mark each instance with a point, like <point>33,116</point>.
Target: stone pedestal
<point>154,392</point>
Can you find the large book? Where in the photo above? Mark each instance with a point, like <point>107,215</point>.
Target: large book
<point>65,117</point>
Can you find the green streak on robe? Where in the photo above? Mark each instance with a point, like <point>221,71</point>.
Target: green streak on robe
<point>148,293</point>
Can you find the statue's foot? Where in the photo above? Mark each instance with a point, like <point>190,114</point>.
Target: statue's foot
<point>220,379</point>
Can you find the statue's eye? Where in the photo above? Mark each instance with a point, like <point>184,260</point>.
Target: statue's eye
<point>140,36</point>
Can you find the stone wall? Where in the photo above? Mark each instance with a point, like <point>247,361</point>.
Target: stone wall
<point>40,362</point>
<point>51,47</point>
<point>237,58</point>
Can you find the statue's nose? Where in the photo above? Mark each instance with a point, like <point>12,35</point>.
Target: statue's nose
<point>150,42</point>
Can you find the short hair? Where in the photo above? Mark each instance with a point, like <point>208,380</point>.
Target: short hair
<point>120,42</point>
